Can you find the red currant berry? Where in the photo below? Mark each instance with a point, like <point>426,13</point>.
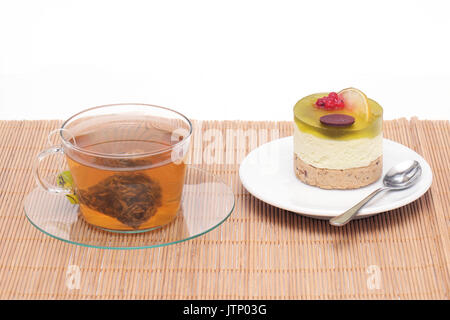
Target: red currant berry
<point>333,95</point>
<point>330,102</point>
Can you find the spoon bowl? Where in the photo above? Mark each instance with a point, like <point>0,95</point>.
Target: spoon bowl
<point>403,175</point>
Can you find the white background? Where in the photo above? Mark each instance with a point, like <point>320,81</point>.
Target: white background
<point>222,59</point>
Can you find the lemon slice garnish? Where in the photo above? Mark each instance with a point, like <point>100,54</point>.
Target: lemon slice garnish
<point>355,101</point>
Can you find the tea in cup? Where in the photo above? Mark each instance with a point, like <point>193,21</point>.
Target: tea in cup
<point>127,162</point>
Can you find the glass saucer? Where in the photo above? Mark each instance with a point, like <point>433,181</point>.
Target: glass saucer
<point>206,203</point>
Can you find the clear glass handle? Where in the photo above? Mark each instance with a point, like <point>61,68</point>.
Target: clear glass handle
<point>41,182</point>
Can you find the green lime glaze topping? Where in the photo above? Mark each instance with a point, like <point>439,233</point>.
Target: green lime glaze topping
<point>307,118</point>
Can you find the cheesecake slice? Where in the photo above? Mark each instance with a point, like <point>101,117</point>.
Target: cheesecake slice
<point>338,140</point>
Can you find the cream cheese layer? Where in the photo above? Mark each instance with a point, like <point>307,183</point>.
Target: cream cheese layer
<point>337,154</point>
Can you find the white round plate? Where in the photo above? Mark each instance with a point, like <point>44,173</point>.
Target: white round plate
<point>268,173</point>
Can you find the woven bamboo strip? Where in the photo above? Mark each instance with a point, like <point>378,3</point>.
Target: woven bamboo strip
<point>259,252</point>
<point>441,189</point>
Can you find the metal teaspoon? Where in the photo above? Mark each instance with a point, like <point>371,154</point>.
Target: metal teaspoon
<point>399,177</point>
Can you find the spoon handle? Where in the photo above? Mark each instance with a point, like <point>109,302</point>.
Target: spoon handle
<point>345,217</point>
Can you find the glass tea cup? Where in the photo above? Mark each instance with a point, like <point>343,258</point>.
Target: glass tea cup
<point>127,162</point>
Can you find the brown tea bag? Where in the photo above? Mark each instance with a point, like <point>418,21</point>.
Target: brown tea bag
<point>131,198</point>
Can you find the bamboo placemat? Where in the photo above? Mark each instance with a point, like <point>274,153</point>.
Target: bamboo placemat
<point>260,252</point>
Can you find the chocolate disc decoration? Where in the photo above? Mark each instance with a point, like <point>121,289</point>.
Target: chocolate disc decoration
<point>337,120</point>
